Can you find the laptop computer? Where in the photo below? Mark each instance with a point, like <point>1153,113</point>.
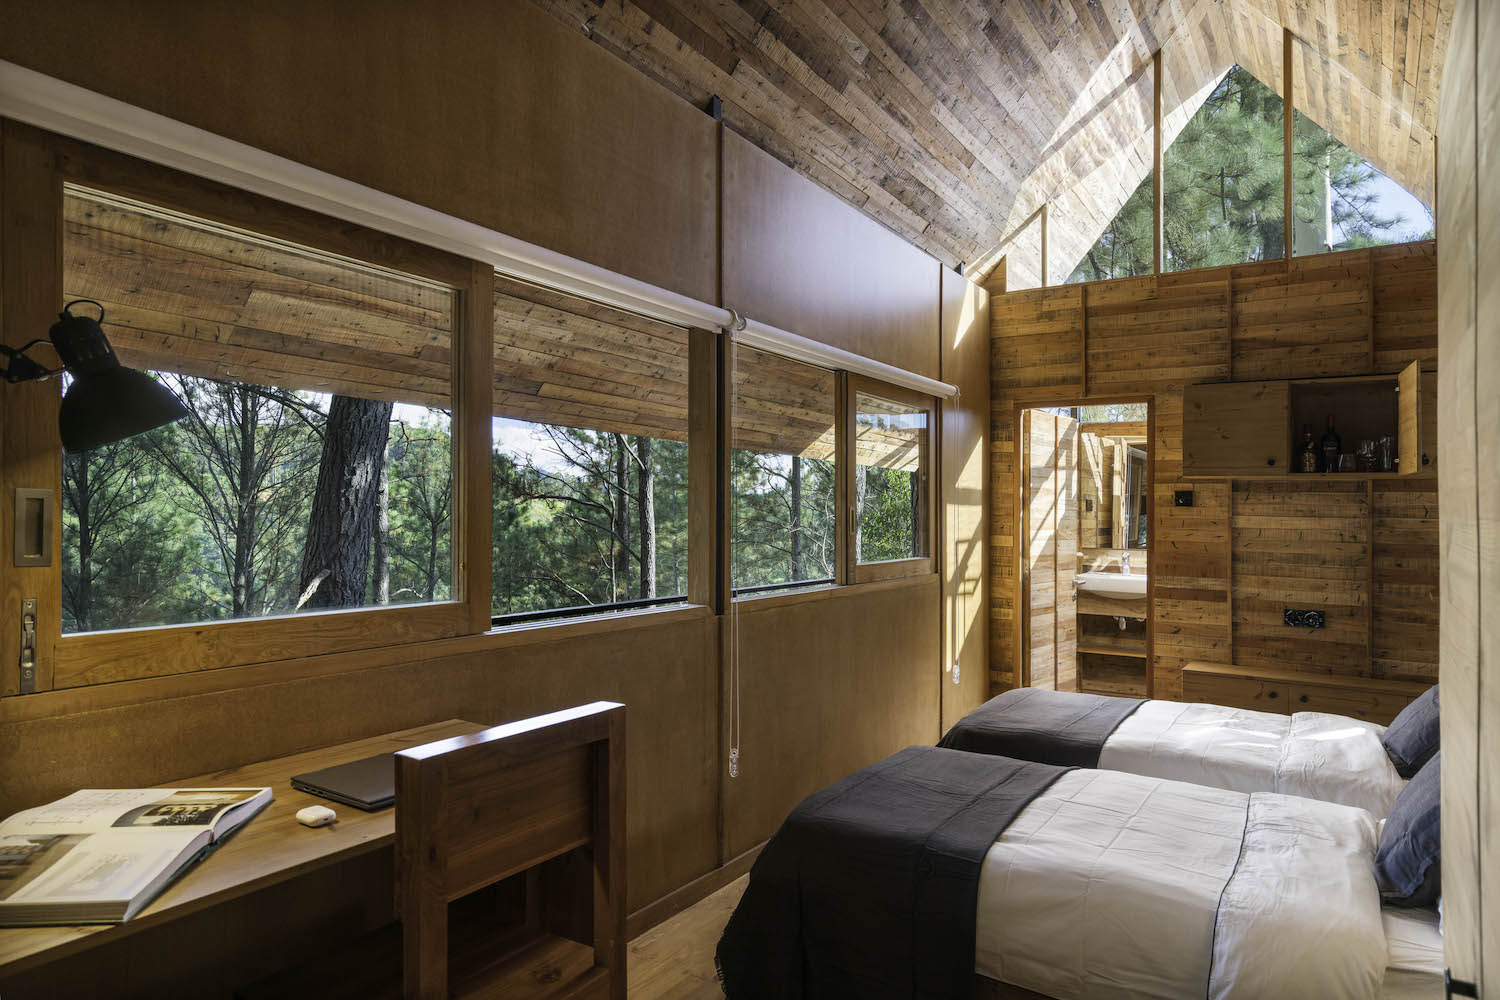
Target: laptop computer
<point>367,784</point>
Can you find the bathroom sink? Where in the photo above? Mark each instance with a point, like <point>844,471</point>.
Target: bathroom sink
<point>1115,586</point>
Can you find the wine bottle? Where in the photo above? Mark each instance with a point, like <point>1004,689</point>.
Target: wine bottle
<point>1307,458</point>
<point>1330,446</point>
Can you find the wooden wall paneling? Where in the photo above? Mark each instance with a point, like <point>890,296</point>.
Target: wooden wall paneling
<point>867,652</point>
<point>1300,545</point>
<point>661,665</point>
<point>966,496</point>
<point>1156,335</point>
<point>372,99</point>
<point>30,453</point>
<point>1465,820</point>
<point>798,258</point>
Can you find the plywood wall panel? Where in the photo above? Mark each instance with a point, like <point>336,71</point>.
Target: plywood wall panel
<point>798,258</point>
<point>664,674</point>
<point>1226,567</point>
<point>828,686</point>
<point>493,112</point>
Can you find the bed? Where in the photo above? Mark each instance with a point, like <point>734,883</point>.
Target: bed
<point>939,873</point>
<point>1314,755</point>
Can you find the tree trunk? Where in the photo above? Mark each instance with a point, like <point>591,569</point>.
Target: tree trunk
<point>83,605</point>
<point>336,563</point>
<point>382,568</point>
<point>796,517</point>
<point>622,522</point>
<point>245,502</point>
<point>646,515</point>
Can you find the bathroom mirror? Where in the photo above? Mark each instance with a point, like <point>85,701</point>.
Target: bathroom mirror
<point>1112,487</point>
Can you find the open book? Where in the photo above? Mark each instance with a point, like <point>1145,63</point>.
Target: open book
<point>99,855</point>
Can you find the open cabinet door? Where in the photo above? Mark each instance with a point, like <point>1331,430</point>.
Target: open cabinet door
<point>1040,600</point>
<point>1065,545</point>
<point>1409,443</point>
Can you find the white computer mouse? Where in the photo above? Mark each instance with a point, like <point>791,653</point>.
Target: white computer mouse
<point>316,816</point>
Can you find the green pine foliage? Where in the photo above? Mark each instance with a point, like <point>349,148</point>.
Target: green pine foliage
<point>1222,197</point>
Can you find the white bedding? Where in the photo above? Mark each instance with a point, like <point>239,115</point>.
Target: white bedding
<point>1328,757</point>
<point>1414,962</point>
<point>1110,885</point>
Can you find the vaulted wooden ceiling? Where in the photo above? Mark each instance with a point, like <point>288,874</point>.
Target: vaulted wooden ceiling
<point>953,121</point>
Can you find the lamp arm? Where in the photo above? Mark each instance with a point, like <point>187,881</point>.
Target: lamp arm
<point>22,368</point>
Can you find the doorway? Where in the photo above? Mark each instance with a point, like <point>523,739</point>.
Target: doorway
<point>1085,511</point>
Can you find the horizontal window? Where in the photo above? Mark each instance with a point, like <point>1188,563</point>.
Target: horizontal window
<point>892,447</point>
<point>782,477</point>
<point>590,458</point>
<point>314,466</point>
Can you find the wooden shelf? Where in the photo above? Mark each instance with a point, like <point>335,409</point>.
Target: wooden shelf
<point>1113,645</point>
<point>1113,677</point>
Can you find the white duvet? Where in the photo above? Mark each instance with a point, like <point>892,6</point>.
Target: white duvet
<point>1121,885</point>
<point>1317,756</point>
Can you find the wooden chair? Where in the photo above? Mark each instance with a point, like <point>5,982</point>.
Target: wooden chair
<point>516,837</point>
<point>474,810</point>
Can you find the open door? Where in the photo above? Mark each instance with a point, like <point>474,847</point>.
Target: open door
<point>1051,498</point>
<point>1065,514</point>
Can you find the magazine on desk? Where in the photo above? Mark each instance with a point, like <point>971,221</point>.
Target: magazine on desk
<point>99,855</point>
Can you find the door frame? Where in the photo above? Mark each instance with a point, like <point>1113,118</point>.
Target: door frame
<point>1020,517</point>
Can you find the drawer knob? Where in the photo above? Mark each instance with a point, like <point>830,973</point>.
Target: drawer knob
<point>1303,699</point>
<point>1271,694</point>
<point>1270,461</point>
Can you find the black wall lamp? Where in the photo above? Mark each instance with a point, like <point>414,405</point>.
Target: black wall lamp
<point>107,402</point>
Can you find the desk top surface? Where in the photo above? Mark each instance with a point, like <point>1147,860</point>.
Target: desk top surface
<point>271,848</point>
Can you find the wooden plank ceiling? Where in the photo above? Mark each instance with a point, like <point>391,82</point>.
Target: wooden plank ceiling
<point>953,121</point>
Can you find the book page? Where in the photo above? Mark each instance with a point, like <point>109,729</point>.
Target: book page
<point>114,865</point>
<point>88,811</point>
<point>93,810</point>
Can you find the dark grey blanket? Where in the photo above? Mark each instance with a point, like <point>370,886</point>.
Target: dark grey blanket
<point>870,888</point>
<point>1050,727</point>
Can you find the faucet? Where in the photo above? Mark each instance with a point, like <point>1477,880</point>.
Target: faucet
<point>1125,562</point>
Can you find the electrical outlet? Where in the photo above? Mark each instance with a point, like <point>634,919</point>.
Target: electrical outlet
<point>1302,618</point>
<point>1182,498</point>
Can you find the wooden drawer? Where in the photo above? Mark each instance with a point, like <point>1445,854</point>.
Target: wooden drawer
<point>1254,693</point>
<point>1357,703</point>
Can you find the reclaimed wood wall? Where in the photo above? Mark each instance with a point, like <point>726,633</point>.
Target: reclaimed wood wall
<point>1226,567</point>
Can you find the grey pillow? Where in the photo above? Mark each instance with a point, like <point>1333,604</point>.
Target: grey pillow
<point>1412,739</point>
<point>1408,863</point>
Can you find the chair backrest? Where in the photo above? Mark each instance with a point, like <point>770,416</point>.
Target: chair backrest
<point>473,810</point>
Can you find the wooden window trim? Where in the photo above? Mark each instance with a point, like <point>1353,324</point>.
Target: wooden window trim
<point>871,572</point>
<point>39,161</point>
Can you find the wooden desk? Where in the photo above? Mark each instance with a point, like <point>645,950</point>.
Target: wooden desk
<point>273,847</point>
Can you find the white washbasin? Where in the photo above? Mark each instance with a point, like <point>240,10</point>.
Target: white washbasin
<point>1115,586</point>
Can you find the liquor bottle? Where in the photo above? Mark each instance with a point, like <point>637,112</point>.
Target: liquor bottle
<point>1330,447</point>
<point>1307,458</point>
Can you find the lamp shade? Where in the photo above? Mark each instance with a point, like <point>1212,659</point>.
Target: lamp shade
<point>113,404</point>
<point>106,402</point>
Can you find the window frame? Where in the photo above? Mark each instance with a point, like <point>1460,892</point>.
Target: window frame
<point>41,164</point>
<point>870,572</point>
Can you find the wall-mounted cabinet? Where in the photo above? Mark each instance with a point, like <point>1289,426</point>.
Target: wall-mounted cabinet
<point>1386,427</point>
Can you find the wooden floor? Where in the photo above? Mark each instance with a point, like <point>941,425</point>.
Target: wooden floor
<point>675,960</point>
